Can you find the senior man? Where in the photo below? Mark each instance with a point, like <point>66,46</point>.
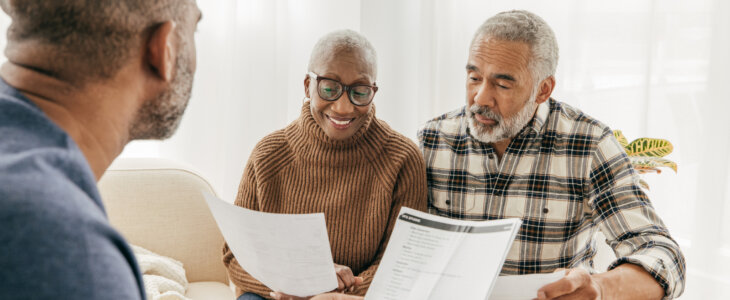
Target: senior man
<point>514,152</point>
<point>83,78</point>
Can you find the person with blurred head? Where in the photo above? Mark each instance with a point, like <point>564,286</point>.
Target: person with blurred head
<point>83,78</point>
<point>339,159</point>
<point>514,152</point>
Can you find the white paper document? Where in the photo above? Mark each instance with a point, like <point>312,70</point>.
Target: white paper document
<point>432,257</point>
<point>522,287</point>
<point>287,253</point>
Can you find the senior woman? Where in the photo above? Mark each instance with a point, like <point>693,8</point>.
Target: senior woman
<point>339,159</point>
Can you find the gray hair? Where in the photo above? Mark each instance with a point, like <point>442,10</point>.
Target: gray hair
<point>343,40</point>
<point>524,26</point>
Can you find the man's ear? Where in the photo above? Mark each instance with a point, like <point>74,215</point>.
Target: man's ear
<point>545,89</point>
<point>162,50</point>
<point>306,86</point>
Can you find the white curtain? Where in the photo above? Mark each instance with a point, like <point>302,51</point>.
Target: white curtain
<point>650,68</point>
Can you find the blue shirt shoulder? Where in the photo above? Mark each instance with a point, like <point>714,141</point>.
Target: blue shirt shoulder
<point>56,241</point>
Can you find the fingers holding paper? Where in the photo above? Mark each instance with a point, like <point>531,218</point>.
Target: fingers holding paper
<point>327,296</point>
<point>577,284</point>
<point>336,296</point>
<point>282,296</point>
<point>346,280</point>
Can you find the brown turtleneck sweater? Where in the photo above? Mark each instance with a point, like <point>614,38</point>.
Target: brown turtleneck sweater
<point>359,184</point>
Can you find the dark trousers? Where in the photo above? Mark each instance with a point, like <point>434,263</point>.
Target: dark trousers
<point>250,296</point>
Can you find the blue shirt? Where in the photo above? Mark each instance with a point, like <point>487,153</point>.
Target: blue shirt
<point>55,239</point>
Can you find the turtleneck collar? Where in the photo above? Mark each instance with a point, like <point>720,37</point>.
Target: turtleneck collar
<point>311,143</point>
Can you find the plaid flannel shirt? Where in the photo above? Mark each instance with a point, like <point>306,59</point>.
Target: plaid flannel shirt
<point>566,177</point>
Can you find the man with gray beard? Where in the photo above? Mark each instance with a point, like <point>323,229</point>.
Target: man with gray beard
<point>514,152</point>
<point>83,78</point>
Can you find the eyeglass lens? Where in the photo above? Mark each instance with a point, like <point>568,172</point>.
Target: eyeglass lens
<point>332,90</point>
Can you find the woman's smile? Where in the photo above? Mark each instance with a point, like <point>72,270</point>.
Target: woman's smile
<point>339,122</point>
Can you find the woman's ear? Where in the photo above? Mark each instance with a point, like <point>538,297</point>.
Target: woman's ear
<point>306,86</point>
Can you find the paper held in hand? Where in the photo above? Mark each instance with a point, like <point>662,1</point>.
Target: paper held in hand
<point>522,287</point>
<point>286,252</point>
<point>432,257</point>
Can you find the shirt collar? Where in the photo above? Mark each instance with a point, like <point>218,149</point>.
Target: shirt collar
<point>543,110</point>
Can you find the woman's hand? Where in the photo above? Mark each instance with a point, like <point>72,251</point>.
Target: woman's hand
<point>335,296</point>
<point>328,296</point>
<point>282,296</point>
<point>346,280</point>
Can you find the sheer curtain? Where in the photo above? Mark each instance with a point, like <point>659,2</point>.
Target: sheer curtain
<point>649,68</point>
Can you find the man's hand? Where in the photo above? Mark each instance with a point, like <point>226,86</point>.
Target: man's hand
<point>577,284</point>
<point>625,282</point>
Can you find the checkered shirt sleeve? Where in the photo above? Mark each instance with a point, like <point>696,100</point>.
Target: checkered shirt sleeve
<point>566,177</point>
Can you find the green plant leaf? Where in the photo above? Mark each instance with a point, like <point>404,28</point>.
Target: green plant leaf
<point>621,138</point>
<point>647,162</point>
<point>649,147</point>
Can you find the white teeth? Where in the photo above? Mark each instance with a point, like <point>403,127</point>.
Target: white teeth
<point>341,122</point>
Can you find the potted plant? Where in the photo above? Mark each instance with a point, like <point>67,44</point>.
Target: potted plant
<point>647,154</point>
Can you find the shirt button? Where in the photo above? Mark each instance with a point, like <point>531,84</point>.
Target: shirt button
<point>545,210</point>
<point>448,202</point>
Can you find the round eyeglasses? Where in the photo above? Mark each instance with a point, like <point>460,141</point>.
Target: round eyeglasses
<point>331,90</point>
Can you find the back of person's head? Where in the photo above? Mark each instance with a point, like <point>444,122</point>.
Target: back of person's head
<point>524,26</point>
<point>86,40</point>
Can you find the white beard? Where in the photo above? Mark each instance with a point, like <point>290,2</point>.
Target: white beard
<point>506,128</point>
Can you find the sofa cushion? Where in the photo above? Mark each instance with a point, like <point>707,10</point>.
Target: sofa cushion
<point>157,204</point>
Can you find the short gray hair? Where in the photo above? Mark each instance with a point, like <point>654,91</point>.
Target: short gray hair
<point>524,26</point>
<point>343,40</point>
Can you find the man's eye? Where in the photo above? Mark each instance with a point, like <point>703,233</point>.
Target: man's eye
<point>502,87</point>
<point>473,79</point>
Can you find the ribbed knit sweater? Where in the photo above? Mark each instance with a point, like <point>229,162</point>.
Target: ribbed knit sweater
<point>359,184</point>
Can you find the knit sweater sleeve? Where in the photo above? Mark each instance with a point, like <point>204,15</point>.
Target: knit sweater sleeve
<point>409,191</point>
<point>246,198</point>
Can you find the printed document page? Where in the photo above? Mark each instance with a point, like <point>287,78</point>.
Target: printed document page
<point>287,253</point>
<point>522,287</point>
<point>432,257</point>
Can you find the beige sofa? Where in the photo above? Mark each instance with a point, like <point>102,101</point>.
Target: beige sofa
<point>157,204</point>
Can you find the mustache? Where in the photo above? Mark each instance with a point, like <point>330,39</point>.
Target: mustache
<point>485,112</point>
